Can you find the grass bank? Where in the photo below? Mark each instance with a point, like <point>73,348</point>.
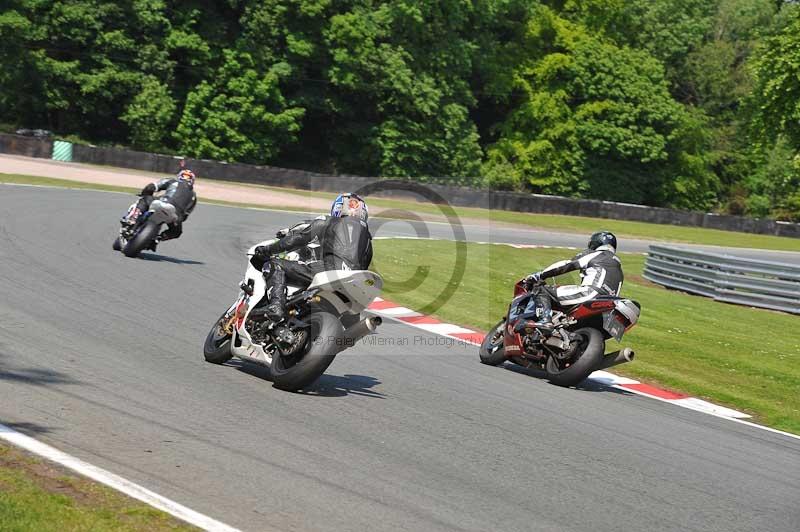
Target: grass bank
<point>745,358</point>
<point>586,225</point>
<point>36,496</point>
<point>559,223</point>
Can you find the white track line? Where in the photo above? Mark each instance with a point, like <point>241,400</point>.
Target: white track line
<point>115,481</point>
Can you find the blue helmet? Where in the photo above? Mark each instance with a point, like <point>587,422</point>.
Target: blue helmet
<point>349,204</point>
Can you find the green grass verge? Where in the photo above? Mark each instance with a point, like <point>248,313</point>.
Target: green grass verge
<point>745,358</point>
<point>38,497</point>
<point>566,224</point>
<point>587,225</point>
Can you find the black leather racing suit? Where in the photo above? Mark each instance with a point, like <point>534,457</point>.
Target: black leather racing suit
<point>345,244</point>
<point>180,194</point>
<point>601,274</point>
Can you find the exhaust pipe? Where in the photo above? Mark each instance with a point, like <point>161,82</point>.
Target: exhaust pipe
<point>616,358</point>
<point>358,331</point>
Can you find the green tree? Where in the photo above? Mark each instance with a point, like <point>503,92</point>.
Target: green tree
<point>150,116</point>
<point>634,100</point>
<point>774,187</point>
<point>774,182</point>
<point>776,97</point>
<point>239,116</point>
<point>597,120</point>
<point>19,93</point>
<point>401,71</point>
<point>667,29</point>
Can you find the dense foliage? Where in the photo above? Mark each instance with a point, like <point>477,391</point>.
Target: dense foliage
<point>683,103</point>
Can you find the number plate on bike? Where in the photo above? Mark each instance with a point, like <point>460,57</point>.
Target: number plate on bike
<point>613,326</point>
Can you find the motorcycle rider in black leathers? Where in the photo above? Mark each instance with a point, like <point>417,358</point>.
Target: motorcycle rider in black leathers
<point>179,191</point>
<point>601,274</point>
<point>344,240</point>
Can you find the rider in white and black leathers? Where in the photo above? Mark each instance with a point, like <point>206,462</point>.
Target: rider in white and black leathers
<point>601,274</point>
<point>343,237</point>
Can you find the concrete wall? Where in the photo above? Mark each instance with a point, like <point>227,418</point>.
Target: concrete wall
<point>459,196</point>
<point>28,146</point>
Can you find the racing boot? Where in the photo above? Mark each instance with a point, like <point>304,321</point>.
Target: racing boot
<point>544,312</point>
<point>173,230</point>
<point>276,283</point>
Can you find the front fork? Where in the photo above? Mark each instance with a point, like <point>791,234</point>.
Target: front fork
<point>234,319</point>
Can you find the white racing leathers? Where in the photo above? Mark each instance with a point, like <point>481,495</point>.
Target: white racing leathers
<point>601,274</point>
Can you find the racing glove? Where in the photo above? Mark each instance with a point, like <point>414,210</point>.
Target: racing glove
<point>267,251</point>
<point>533,279</point>
<point>148,190</point>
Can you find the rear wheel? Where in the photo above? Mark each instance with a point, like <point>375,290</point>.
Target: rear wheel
<point>323,341</point>
<point>491,350</point>
<point>217,347</point>
<point>141,239</point>
<point>586,358</point>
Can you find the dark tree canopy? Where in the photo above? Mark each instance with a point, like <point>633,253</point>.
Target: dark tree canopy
<point>683,103</point>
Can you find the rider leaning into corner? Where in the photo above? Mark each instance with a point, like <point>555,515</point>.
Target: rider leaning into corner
<point>601,274</point>
<point>179,191</point>
<point>343,237</point>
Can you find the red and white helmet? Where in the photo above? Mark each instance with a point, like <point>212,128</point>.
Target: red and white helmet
<point>187,176</point>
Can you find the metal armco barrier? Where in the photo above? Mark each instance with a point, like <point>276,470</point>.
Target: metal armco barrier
<point>755,283</point>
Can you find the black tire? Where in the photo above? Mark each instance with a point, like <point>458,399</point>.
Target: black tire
<point>489,353</point>
<point>324,342</point>
<point>217,347</point>
<point>117,245</point>
<point>589,355</point>
<point>141,239</point>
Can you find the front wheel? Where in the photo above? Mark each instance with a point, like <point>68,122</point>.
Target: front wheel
<point>297,371</point>
<point>141,240</point>
<point>587,357</point>
<point>491,350</point>
<point>217,347</point>
<point>117,245</point>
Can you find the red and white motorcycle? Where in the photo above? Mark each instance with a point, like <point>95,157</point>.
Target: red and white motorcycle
<point>322,320</point>
<point>573,348</point>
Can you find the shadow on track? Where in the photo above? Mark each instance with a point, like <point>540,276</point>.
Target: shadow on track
<point>35,376</point>
<point>325,386</point>
<point>585,386</point>
<point>155,257</point>
<point>29,429</point>
<point>335,386</point>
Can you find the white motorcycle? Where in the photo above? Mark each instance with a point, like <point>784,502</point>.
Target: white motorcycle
<point>322,320</point>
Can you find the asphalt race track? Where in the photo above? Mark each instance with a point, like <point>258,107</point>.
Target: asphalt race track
<point>101,357</point>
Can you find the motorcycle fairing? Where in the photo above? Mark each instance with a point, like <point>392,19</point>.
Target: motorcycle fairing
<point>348,291</point>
